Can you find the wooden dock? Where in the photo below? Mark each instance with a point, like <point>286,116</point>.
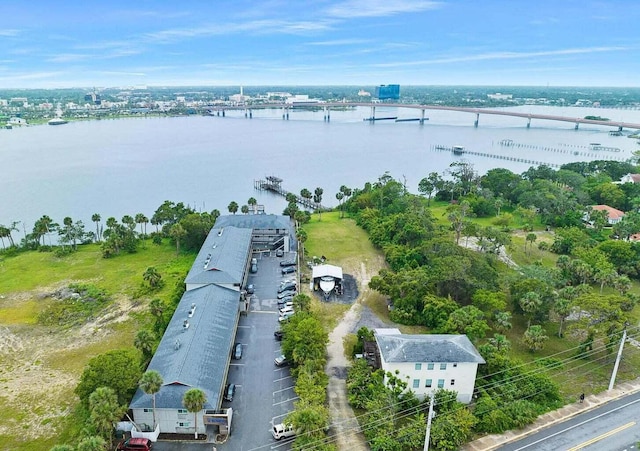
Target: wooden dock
<point>274,184</point>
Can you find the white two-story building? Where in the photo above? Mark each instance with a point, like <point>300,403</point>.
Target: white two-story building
<point>430,362</point>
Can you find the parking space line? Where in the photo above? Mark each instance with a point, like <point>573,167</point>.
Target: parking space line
<point>236,364</point>
<point>263,311</point>
<point>285,401</point>
<point>284,389</point>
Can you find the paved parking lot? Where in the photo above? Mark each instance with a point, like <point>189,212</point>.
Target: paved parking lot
<point>264,393</point>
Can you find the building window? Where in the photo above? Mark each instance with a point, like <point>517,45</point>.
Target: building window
<point>453,382</point>
<point>183,425</point>
<point>440,383</point>
<point>428,383</point>
<point>418,366</point>
<point>416,383</point>
<point>429,366</point>
<point>183,411</point>
<point>147,410</point>
<point>455,365</point>
<point>443,366</point>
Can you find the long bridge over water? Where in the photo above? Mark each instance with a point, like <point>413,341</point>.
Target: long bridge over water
<point>328,106</point>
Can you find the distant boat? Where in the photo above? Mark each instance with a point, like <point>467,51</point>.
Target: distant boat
<point>57,121</point>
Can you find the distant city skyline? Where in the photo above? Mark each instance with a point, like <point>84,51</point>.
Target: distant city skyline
<point>326,42</point>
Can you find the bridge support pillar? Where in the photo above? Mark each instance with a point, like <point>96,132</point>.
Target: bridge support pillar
<point>372,116</point>
<point>477,121</point>
<point>327,114</point>
<point>250,114</point>
<point>422,116</point>
<point>620,128</point>
<point>222,113</point>
<point>577,125</point>
<point>287,113</point>
<point>529,123</point>
<point>218,112</point>
<point>283,113</point>
<point>246,113</point>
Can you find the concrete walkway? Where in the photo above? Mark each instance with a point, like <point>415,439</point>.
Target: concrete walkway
<point>494,441</point>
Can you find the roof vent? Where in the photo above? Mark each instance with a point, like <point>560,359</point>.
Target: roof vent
<point>176,345</point>
<point>192,310</point>
<point>185,325</point>
<point>220,232</point>
<point>214,245</point>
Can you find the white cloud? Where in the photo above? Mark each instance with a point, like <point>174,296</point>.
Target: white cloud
<point>379,8</point>
<point>9,33</point>
<point>505,56</point>
<point>340,42</point>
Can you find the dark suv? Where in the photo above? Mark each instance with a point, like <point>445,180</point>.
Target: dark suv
<point>285,263</point>
<point>229,391</point>
<point>135,444</point>
<point>287,286</point>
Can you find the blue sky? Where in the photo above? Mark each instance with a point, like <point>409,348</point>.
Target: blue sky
<point>67,43</point>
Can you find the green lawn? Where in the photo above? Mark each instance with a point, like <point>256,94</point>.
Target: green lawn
<point>44,379</point>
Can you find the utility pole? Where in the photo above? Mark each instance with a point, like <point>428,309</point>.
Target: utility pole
<point>429,416</point>
<point>615,367</point>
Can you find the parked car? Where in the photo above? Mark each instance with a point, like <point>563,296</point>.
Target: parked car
<point>287,309</point>
<point>135,444</point>
<point>278,334</point>
<point>284,263</point>
<point>251,289</point>
<point>281,431</point>
<point>279,253</point>
<point>229,391</point>
<point>284,300</point>
<point>254,268</point>
<point>237,351</point>
<point>288,270</point>
<point>284,294</point>
<point>285,316</point>
<point>287,286</point>
<point>281,360</point>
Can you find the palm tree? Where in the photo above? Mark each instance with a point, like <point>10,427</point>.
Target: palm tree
<point>317,198</point>
<point>252,202</point>
<point>530,303</point>
<point>244,209</point>
<point>194,400</point>
<point>151,382</point>
<point>233,207</point>
<point>340,196</point>
<point>215,214</point>
<point>177,232</point>
<point>105,410</point>
<point>301,235</point>
<point>144,343</point>
<point>530,238</point>
<point>142,219</point>
<point>152,277</point>
<point>96,218</point>
<point>93,443</point>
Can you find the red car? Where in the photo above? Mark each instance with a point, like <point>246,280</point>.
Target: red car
<point>135,444</point>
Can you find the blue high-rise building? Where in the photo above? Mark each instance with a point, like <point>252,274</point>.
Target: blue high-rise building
<point>388,92</point>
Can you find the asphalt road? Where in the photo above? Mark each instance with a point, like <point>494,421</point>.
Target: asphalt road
<point>611,427</point>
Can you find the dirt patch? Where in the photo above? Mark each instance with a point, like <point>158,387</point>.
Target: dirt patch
<point>37,394</point>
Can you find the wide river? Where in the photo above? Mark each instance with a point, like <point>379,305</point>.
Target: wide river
<point>129,166</point>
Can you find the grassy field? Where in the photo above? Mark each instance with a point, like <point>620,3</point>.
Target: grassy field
<point>39,365</point>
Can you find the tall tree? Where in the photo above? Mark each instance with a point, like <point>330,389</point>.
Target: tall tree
<point>429,185</point>
<point>457,215</point>
<point>194,400</point>
<point>233,207</point>
<point>144,342</point>
<point>142,220</point>
<point>96,218</point>
<point>317,198</point>
<point>534,338</point>
<point>177,233</point>
<point>151,382</point>
<point>244,209</point>
<point>530,303</point>
<point>93,443</point>
<point>105,410</point>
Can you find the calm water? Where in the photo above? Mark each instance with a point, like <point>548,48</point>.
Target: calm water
<point>130,166</point>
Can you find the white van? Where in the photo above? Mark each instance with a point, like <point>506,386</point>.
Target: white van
<point>281,430</point>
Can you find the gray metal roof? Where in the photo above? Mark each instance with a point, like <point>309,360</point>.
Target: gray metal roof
<point>427,348</point>
<point>196,357</point>
<point>222,258</point>
<point>254,221</point>
<point>327,270</point>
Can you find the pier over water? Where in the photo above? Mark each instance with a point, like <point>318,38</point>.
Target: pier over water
<point>274,184</point>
